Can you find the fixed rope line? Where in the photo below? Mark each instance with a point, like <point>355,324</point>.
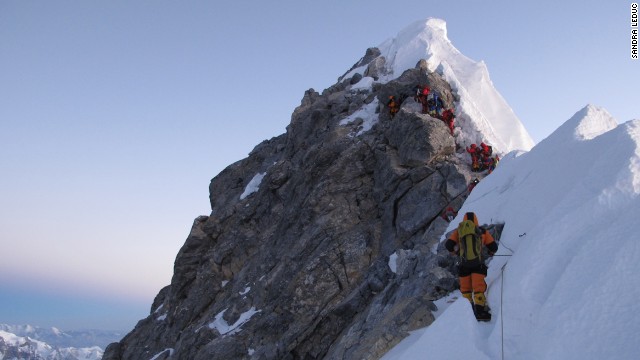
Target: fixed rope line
<point>502,294</point>
<point>501,302</point>
<point>502,297</point>
<point>506,247</point>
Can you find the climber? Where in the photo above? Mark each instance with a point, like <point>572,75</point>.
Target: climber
<point>472,150</point>
<point>466,242</point>
<point>425,91</point>
<point>434,104</point>
<point>449,214</point>
<point>472,185</point>
<point>447,117</point>
<point>486,149</point>
<point>494,163</point>
<point>416,92</point>
<point>476,166</point>
<point>393,106</point>
<point>421,92</point>
<point>475,151</point>
<point>487,162</point>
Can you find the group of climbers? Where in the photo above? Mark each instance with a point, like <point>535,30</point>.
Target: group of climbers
<point>482,159</point>
<point>433,105</point>
<point>468,240</point>
<point>431,102</point>
<point>481,156</point>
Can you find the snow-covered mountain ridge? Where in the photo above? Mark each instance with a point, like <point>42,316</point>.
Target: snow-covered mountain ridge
<point>566,289</point>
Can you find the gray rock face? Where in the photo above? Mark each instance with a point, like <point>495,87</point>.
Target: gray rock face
<point>295,266</point>
<point>371,55</point>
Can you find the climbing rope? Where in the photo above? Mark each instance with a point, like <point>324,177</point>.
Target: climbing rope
<point>501,302</point>
<point>502,299</point>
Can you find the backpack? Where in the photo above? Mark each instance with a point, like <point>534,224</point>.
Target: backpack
<point>470,243</point>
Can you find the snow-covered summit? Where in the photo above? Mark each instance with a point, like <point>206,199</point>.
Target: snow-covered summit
<point>482,113</point>
<point>586,124</point>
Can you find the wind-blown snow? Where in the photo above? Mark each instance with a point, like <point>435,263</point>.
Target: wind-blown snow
<point>245,291</point>
<point>225,329</point>
<point>162,353</point>
<point>367,114</point>
<point>393,262</point>
<point>482,113</point>
<point>569,290</point>
<point>364,84</point>
<point>253,185</point>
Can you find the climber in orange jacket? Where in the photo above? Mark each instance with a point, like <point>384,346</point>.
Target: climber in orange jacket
<point>393,105</point>
<point>467,242</point>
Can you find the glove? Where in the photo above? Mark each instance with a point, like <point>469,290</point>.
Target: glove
<point>491,253</point>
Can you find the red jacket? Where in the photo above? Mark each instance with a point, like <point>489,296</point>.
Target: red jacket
<point>447,115</point>
<point>474,151</point>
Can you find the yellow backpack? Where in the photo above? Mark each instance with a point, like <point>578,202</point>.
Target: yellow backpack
<point>470,242</point>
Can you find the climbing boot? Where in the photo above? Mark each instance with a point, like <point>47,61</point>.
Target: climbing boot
<point>482,312</point>
<point>480,307</point>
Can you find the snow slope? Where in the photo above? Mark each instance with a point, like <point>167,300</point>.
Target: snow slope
<point>569,290</point>
<point>482,113</point>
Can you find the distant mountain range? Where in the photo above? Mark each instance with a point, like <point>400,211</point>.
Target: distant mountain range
<point>33,343</point>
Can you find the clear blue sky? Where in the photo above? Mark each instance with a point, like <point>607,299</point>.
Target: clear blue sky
<point>114,116</point>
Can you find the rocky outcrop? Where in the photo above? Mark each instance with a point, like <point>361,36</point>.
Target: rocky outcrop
<point>293,261</point>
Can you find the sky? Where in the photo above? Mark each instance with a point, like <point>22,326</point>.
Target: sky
<point>114,116</point>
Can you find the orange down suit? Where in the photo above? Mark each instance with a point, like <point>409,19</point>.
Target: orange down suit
<point>472,284</point>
